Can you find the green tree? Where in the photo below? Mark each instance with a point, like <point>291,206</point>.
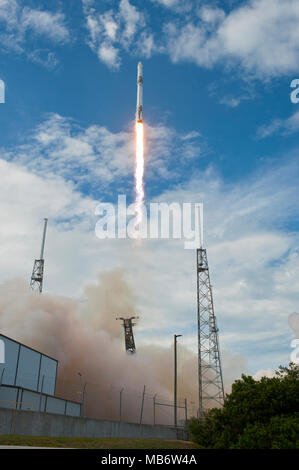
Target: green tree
<point>257,414</point>
<point>282,432</point>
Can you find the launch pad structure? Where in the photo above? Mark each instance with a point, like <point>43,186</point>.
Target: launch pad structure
<point>129,336</point>
<point>37,277</point>
<point>210,379</point>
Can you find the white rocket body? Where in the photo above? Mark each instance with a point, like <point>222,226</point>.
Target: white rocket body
<point>139,107</point>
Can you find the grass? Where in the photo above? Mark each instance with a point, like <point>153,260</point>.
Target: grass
<point>95,443</point>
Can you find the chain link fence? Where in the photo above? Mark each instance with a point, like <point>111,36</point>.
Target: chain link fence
<point>116,403</point>
<point>124,404</point>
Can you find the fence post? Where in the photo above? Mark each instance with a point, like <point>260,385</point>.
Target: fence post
<point>141,413</point>
<point>83,401</point>
<point>154,400</point>
<point>41,391</point>
<point>120,404</point>
<point>2,376</point>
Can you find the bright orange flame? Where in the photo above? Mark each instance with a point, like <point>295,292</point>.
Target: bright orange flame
<point>139,171</point>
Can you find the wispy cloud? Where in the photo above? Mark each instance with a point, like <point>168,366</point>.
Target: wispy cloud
<point>95,155</point>
<point>20,24</point>
<point>248,36</point>
<point>51,25</point>
<point>180,6</point>
<point>230,101</point>
<point>114,30</point>
<point>281,126</point>
<point>167,3</point>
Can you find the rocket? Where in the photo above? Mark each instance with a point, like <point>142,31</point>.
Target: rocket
<point>139,93</point>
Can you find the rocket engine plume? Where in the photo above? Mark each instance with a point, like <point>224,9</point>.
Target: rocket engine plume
<point>139,171</point>
<point>139,163</point>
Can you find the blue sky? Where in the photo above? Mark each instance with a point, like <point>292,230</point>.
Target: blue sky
<point>220,128</point>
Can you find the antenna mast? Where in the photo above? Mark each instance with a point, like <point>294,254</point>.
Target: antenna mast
<point>36,282</point>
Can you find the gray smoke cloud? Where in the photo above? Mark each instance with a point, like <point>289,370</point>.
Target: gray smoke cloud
<point>84,336</point>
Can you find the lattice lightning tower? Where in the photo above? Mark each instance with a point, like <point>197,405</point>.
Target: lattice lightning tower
<point>211,392</point>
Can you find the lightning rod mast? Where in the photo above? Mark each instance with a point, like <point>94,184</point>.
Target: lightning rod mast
<point>36,282</point>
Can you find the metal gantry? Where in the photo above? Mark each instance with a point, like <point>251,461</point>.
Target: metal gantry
<point>129,336</point>
<point>36,282</point>
<point>211,391</point>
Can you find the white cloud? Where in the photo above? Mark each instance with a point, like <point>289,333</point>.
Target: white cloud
<point>211,15</point>
<point>146,44</point>
<point>97,156</point>
<point>260,36</point>
<point>109,54</point>
<point>44,57</point>
<point>25,200</point>
<point>94,28</point>
<point>109,25</point>
<point>263,35</point>
<point>178,6</point>
<point>19,23</point>
<point>246,91</point>
<point>116,29</point>
<point>282,126</point>
<point>230,101</point>
<point>8,10</point>
<point>45,23</point>
<point>167,3</point>
<point>133,19</point>
<point>189,42</point>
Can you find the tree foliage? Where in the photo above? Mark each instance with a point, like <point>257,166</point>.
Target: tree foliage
<point>256,414</point>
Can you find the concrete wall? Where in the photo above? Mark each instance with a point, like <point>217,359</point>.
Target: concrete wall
<point>33,423</point>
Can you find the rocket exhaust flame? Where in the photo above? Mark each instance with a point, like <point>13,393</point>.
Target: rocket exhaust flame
<point>139,171</point>
<point>139,163</point>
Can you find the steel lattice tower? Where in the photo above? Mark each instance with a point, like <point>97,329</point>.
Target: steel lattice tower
<point>36,282</point>
<point>129,337</point>
<point>211,392</point>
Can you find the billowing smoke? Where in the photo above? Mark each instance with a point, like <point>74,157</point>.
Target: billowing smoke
<point>85,337</point>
